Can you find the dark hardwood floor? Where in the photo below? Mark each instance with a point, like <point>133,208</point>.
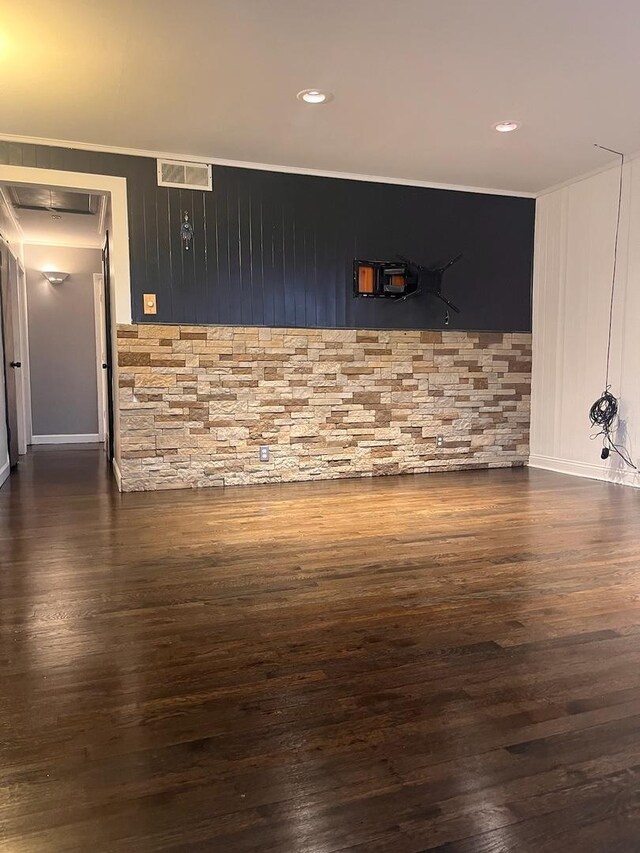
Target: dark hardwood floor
<point>445,662</point>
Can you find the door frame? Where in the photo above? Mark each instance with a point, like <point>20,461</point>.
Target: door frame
<point>100,331</point>
<point>12,238</point>
<point>25,424</point>
<point>10,349</point>
<point>115,187</point>
<point>112,355</point>
<point>18,321</point>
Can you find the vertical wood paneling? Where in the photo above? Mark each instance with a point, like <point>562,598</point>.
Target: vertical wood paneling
<point>244,248</point>
<point>186,278</point>
<point>198,258</point>
<point>212,255</point>
<point>268,261</point>
<point>257,271</point>
<point>163,285</point>
<point>138,237</point>
<point>222,245</point>
<point>575,228</point>
<point>277,249</point>
<point>180,296</point>
<point>232,243</point>
<point>152,249</point>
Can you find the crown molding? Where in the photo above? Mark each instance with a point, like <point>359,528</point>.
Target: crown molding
<point>263,167</point>
<point>584,176</point>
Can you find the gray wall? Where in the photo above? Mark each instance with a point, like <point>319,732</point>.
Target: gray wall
<point>62,344</point>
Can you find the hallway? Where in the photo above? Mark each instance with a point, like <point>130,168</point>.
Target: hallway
<point>440,662</point>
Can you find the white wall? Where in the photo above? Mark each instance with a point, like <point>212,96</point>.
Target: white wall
<point>575,229</point>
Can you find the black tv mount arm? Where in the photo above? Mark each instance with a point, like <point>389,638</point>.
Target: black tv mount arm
<point>429,279</point>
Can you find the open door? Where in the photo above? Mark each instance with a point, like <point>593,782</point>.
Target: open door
<point>8,271</point>
<point>107,364</point>
<point>102,357</point>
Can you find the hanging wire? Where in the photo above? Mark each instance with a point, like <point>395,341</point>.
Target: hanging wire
<point>615,257</point>
<point>604,412</point>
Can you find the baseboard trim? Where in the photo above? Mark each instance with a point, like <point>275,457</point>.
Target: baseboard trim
<point>75,438</point>
<point>586,469</point>
<point>4,472</point>
<point>118,475</point>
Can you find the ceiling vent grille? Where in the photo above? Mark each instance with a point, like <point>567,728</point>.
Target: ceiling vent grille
<point>188,176</point>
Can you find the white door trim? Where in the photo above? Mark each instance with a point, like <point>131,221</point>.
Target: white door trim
<point>117,189</point>
<point>18,322</point>
<point>26,424</point>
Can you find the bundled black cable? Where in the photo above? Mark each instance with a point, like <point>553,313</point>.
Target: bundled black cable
<point>604,412</point>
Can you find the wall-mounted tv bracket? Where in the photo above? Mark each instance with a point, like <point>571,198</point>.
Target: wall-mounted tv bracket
<point>400,279</point>
<point>429,279</point>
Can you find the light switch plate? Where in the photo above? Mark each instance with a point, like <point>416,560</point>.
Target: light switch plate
<point>149,300</point>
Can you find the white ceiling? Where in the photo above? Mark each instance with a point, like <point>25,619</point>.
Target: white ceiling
<point>418,84</point>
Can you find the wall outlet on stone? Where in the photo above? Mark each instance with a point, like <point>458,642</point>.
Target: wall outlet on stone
<point>439,441</point>
<point>264,453</point>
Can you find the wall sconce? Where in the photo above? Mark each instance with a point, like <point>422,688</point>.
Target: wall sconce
<point>55,277</point>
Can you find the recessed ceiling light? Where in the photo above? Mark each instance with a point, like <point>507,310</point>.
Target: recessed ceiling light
<point>506,126</point>
<point>314,96</point>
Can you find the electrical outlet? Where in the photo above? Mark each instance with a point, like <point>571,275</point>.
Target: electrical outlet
<point>439,441</point>
<point>264,453</point>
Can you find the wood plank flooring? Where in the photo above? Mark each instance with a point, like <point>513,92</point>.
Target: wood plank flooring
<point>446,662</point>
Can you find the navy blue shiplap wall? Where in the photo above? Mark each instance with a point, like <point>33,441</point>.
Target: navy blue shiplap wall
<point>277,249</point>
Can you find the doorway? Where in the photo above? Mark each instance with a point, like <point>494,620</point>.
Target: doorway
<point>58,336</point>
<point>115,309</point>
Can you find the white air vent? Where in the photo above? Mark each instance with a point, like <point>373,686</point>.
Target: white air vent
<point>189,176</point>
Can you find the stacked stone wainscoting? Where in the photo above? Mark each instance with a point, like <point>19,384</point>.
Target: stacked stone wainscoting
<point>196,403</point>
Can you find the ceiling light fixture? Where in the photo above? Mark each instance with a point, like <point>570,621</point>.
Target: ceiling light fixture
<point>55,277</point>
<point>506,126</point>
<point>314,96</point>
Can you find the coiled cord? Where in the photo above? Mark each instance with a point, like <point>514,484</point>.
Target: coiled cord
<point>604,411</point>
<point>604,414</point>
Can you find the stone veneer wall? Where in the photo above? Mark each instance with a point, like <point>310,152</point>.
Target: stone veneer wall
<point>196,402</point>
